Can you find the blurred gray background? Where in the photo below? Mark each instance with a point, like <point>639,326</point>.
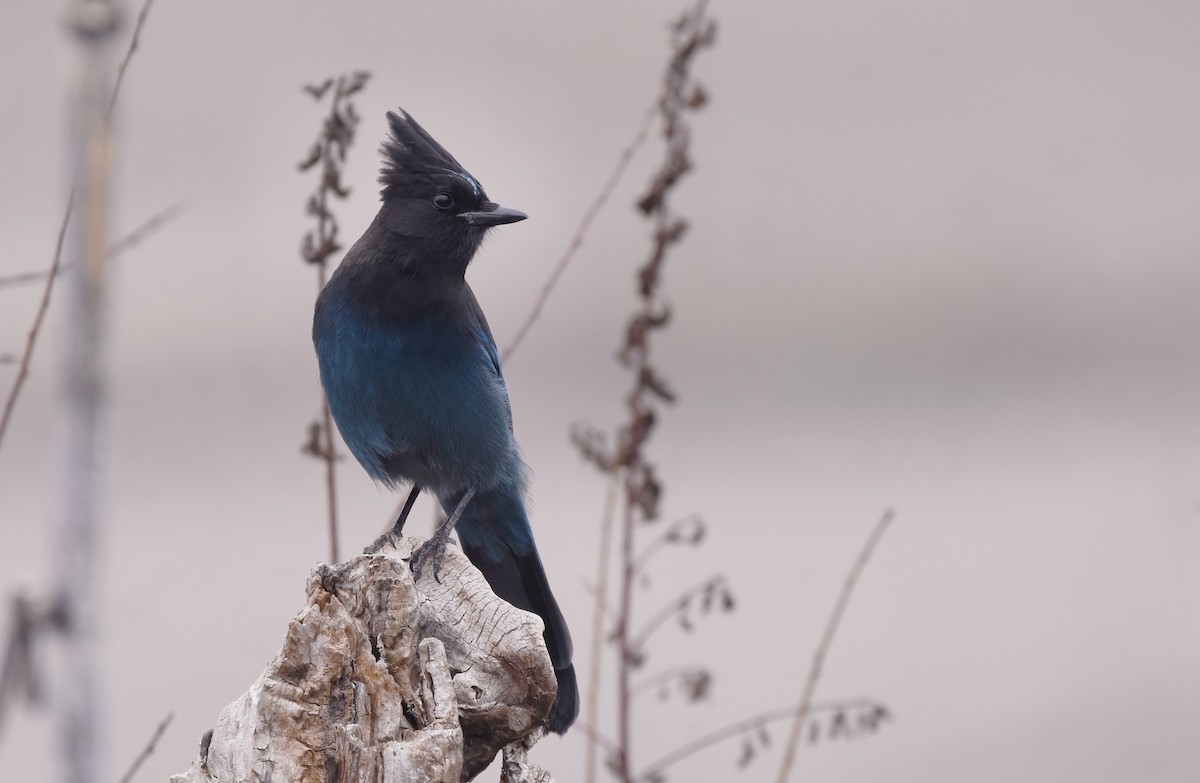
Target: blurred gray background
<point>942,258</point>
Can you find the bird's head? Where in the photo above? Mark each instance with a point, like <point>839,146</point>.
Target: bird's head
<point>431,201</point>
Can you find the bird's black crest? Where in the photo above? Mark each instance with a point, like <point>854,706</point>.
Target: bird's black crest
<point>411,154</point>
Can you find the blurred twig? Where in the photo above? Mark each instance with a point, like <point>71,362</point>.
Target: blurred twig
<point>44,305</point>
<point>689,531</point>
<point>19,676</point>
<point>713,591</point>
<point>871,714</point>
<point>595,738</point>
<point>22,278</point>
<point>149,749</point>
<point>134,40</point>
<point>329,150</point>
<point>599,612</point>
<point>585,223</point>
<point>695,681</point>
<point>835,618</point>
<point>127,242</point>
<point>139,234</point>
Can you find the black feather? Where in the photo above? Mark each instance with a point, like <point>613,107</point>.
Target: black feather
<point>521,580</point>
<point>410,155</point>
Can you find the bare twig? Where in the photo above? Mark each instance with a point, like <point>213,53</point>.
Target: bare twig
<point>715,588</point>
<point>148,227</point>
<point>31,342</point>
<point>127,242</point>
<point>22,278</point>
<point>581,230</point>
<point>690,531</point>
<point>134,40</point>
<point>598,615</point>
<point>654,769</point>
<point>835,618</point>
<point>625,656</point>
<point>610,611</point>
<point>595,738</point>
<point>149,749</point>
<point>695,679</point>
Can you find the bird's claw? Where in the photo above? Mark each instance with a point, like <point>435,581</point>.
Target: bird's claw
<point>432,552</point>
<point>387,539</point>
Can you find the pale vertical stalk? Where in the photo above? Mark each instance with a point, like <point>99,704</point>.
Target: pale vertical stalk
<point>831,627</point>
<point>77,688</point>
<point>624,651</point>
<point>598,616</point>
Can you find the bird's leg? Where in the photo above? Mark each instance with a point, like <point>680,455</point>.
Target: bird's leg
<point>398,528</point>
<point>435,548</point>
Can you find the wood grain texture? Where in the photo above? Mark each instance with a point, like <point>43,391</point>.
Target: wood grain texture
<point>383,680</point>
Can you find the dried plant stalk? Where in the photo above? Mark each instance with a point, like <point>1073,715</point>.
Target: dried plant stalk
<point>329,150</point>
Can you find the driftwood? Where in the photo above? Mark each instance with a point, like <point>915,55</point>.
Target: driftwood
<point>381,680</point>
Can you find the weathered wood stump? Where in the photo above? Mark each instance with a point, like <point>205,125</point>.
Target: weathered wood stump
<point>381,680</point>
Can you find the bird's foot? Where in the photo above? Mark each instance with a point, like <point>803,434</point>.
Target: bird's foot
<point>397,530</point>
<point>430,555</point>
<point>387,539</point>
<point>433,551</point>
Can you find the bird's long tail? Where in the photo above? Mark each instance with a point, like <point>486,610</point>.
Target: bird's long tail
<point>495,535</point>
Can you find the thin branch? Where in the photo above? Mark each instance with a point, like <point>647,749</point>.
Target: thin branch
<point>125,243</point>
<point>134,40</point>
<point>26,357</point>
<point>684,673</point>
<point>625,650</point>
<point>595,738</point>
<point>717,736</point>
<point>675,533</point>
<point>610,611</point>
<point>674,608</point>
<point>330,477</point>
<point>31,341</point>
<point>598,615</point>
<point>22,278</point>
<point>147,228</point>
<point>149,749</point>
<point>814,672</point>
<point>584,224</point>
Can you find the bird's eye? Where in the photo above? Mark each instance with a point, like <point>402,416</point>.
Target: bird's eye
<point>443,201</point>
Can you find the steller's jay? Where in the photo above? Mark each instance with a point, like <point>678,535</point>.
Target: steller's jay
<point>413,378</point>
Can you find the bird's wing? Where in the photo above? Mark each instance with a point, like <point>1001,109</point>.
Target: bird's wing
<point>484,332</point>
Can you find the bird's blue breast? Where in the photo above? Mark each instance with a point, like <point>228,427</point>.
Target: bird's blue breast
<point>416,396</point>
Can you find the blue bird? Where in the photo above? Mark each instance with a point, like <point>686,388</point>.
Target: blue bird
<point>412,375</point>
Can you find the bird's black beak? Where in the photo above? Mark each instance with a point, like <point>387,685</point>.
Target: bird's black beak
<point>492,214</point>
